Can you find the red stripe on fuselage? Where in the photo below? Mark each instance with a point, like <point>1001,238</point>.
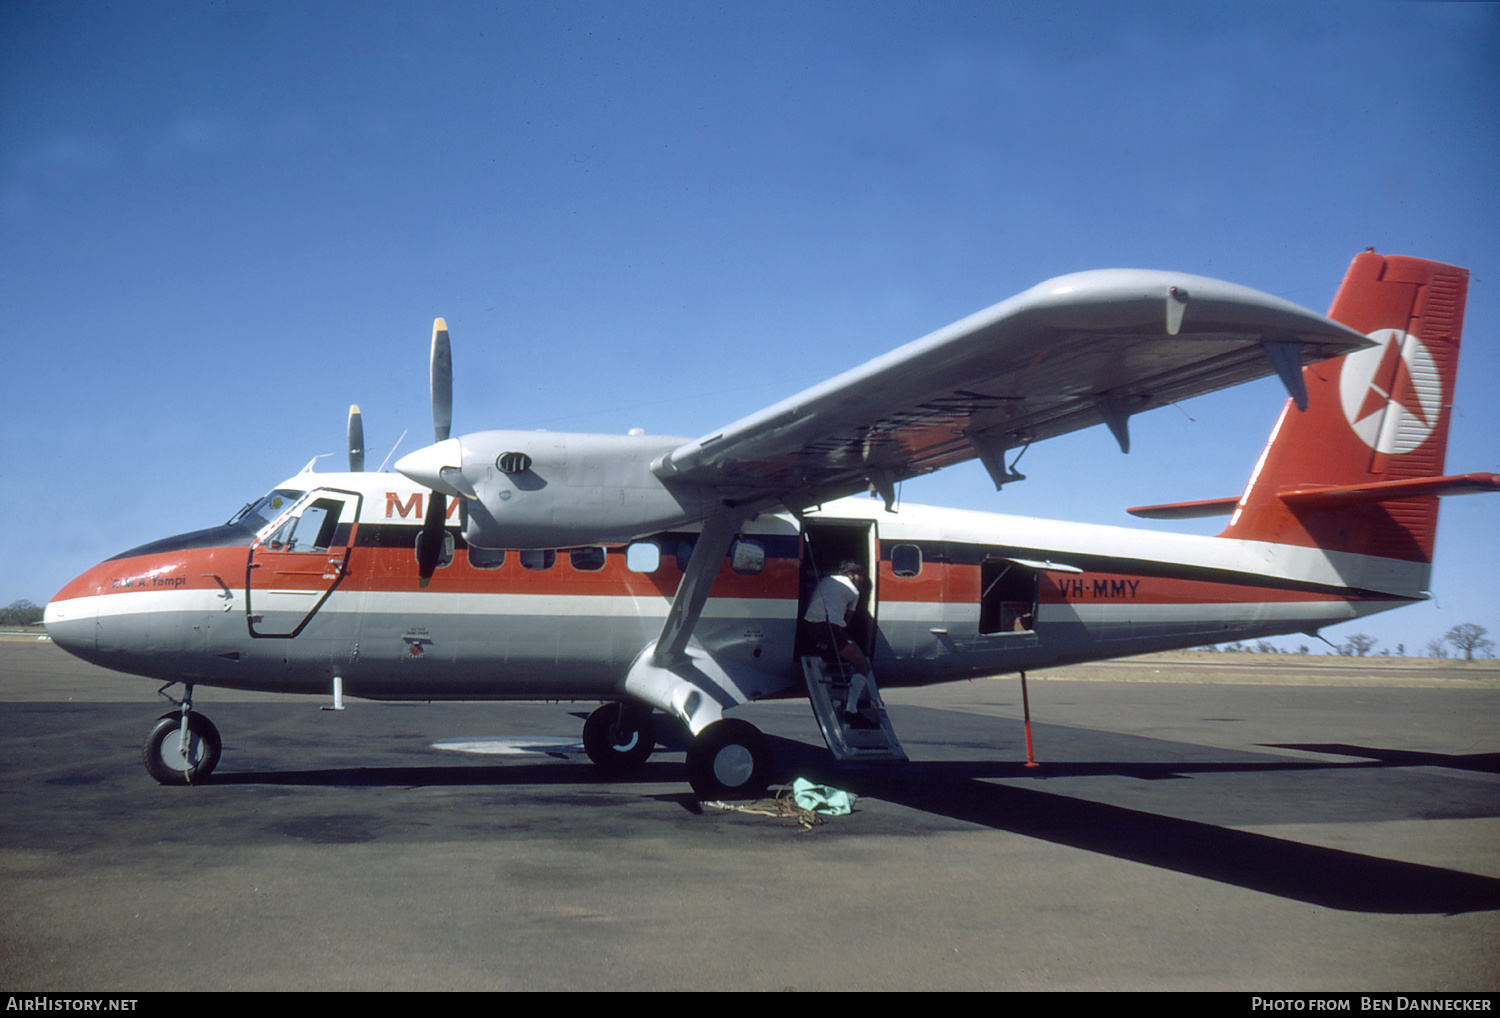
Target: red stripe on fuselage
<point>1096,588</point>
<point>960,583</point>
<point>395,569</point>
<point>197,569</point>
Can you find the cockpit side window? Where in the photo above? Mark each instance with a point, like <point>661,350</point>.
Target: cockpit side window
<point>314,530</point>
<point>319,521</point>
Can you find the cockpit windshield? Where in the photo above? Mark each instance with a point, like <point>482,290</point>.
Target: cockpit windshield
<point>257,514</point>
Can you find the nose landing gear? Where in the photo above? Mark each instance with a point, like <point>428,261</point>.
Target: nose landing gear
<point>182,747</point>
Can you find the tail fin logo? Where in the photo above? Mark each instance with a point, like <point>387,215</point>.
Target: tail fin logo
<point>1392,393</point>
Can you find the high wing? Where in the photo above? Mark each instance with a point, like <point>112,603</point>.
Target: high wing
<point>1066,354</point>
<point>1069,353</point>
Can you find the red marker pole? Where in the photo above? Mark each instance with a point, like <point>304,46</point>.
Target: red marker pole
<point>1026,709</point>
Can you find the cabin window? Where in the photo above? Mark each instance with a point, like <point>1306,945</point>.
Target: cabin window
<point>747,557</point>
<point>643,557</point>
<point>1007,599</point>
<point>685,552</point>
<point>486,558</point>
<point>537,558</point>
<point>906,560</point>
<point>587,560</point>
<point>445,556</point>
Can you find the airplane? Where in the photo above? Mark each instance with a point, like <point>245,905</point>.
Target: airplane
<point>666,575</point>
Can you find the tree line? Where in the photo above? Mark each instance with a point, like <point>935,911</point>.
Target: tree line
<point>1467,638</point>
<point>20,613</point>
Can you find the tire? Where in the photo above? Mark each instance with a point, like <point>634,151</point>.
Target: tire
<point>619,737</point>
<point>163,757</point>
<point>730,759</point>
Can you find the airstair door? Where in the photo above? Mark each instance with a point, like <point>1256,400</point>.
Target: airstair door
<point>868,736</point>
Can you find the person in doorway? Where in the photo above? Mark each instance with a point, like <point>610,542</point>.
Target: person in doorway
<point>826,628</point>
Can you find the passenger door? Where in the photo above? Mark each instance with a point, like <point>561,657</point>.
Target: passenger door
<point>826,543</point>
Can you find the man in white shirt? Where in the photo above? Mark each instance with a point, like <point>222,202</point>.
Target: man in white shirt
<point>826,627</point>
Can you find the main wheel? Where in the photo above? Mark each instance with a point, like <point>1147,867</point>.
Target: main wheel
<point>162,751</point>
<point>730,759</point>
<point>619,737</point>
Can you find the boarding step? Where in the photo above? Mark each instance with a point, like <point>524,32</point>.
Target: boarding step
<point>872,739</point>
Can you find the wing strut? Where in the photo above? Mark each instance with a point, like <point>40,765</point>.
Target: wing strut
<point>697,581</point>
<point>676,674</point>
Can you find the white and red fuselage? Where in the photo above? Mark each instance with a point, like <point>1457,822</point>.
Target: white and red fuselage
<point>229,607</point>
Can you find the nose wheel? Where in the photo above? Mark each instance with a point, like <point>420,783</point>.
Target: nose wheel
<point>177,756</point>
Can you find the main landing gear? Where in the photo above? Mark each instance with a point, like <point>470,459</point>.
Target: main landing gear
<point>182,748</point>
<point>730,759</point>
<point>619,737</point>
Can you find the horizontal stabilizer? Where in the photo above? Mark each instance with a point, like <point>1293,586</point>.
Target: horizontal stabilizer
<point>1319,496</point>
<point>1186,510</point>
<point>1390,491</point>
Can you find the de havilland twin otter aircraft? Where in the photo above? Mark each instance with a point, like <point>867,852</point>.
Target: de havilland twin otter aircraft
<point>668,574</point>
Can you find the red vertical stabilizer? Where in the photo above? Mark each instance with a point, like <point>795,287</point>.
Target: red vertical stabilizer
<point>1379,415</point>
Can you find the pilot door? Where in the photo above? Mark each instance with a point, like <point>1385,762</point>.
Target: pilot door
<point>299,562</point>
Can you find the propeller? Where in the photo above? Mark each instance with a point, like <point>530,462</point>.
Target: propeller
<point>356,441</point>
<point>430,541</point>
<point>432,538</point>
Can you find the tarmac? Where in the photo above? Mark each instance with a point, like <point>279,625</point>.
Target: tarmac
<point>1195,823</point>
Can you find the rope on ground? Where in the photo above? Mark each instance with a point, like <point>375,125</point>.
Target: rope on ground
<point>783,806</point>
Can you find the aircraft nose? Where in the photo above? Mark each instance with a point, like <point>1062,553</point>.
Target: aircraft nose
<point>70,617</point>
<point>428,466</point>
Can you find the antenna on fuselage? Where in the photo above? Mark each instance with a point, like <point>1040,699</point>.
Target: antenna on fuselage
<point>392,452</point>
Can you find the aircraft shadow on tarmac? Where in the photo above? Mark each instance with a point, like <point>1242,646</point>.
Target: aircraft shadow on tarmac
<point>1482,763</point>
<point>959,790</point>
<point>1319,876</point>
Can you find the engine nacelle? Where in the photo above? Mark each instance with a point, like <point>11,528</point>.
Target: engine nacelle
<point>548,489</point>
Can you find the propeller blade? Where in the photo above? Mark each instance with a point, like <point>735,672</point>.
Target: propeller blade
<point>426,466</point>
<point>430,540</point>
<point>442,381</point>
<point>356,441</point>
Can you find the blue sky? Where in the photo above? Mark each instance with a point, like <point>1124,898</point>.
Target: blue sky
<point>222,223</point>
